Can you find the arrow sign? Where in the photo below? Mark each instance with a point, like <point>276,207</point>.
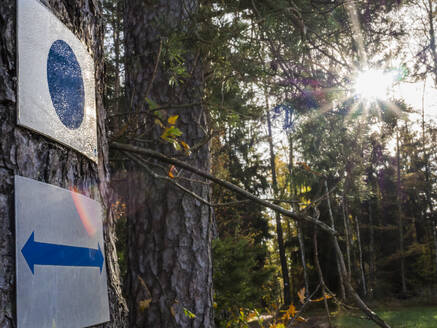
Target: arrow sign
<point>37,253</point>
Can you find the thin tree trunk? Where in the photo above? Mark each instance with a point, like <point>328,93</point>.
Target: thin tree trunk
<point>169,232</point>
<point>116,40</point>
<point>400,216</point>
<point>319,272</point>
<point>30,155</point>
<point>302,255</point>
<point>331,216</point>
<point>298,224</point>
<point>371,251</point>
<point>363,276</point>
<point>431,18</point>
<point>428,186</point>
<point>434,237</point>
<point>279,233</point>
<point>347,233</point>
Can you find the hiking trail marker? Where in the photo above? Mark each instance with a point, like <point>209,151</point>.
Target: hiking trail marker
<point>56,85</point>
<point>60,261</point>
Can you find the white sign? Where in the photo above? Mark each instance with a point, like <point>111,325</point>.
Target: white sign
<point>60,258</point>
<point>56,86</point>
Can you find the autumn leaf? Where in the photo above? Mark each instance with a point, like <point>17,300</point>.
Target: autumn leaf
<point>290,313</point>
<point>173,119</point>
<point>172,171</point>
<point>321,298</point>
<point>185,145</point>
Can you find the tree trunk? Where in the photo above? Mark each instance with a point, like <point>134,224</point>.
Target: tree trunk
<point>400,215</point>
<point>302,254</point>
<point>348,238</point>
<point>169,232</point>
<point>282,256</point>
<point>298,224</point>
<point>360,250</point>
<point>25,153</point>
<point>320,273</point>
<point>331,216</point>
<point>372,252</point>
<point>428,184</point>
<point>431,31</point>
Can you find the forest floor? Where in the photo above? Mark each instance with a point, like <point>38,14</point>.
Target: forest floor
<point>402,317</point>
<point>398,315</point>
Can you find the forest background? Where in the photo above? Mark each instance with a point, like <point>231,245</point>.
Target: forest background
<point>286,119</point>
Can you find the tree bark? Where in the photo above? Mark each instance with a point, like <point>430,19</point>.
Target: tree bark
<point>25,153</point>
<point>169,232</point>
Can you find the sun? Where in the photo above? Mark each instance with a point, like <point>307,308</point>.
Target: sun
<point>373,84</point>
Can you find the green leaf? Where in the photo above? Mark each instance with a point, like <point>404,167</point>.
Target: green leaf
<point>152,105</point>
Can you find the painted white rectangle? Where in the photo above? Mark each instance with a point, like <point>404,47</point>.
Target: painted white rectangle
<point>56,85</point>
<point>60,262</point>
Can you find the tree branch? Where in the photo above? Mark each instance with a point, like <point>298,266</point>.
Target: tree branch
<point>227,185</point>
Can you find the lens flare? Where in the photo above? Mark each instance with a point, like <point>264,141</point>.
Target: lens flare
<point>86,219</point>
<point>373,84</point>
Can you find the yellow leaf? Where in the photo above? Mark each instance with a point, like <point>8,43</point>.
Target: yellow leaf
<point>189,314</point>
<point>291,312</point>
<point>185,145</point>
<point>322,298</point>
<point>164,134</point>
<point>173,119</point>
<point>145,304</point>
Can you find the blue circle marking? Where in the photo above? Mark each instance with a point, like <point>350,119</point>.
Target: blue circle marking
<point>65,81</point>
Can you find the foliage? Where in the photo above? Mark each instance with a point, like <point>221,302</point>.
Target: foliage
<point>240,279</point>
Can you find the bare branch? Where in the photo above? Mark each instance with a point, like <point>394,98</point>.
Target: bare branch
<point>155,69</point>
<point>144,165</point>
<point>227,185</point>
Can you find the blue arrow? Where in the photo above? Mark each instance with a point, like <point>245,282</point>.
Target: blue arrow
<point>37,253</point>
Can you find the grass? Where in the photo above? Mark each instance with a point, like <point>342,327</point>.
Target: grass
<point>409,317</point>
